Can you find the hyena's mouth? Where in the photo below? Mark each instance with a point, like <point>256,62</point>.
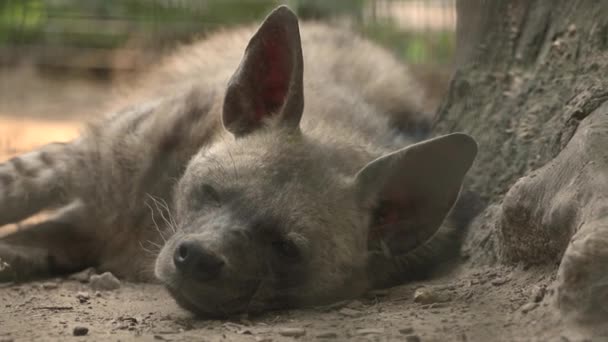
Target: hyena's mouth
<point>210,294</point>
<point>220,299</point>
<point>216,301</point>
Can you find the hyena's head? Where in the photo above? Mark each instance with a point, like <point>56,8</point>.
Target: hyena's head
<point>269,219</point>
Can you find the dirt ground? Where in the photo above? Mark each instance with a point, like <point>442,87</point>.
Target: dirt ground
<point>476,304</point>
<point>473,303</point>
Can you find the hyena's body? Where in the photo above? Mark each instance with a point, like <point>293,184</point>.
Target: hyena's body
<point>126,189</point>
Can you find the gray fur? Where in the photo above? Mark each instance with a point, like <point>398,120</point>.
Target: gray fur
<point>308,182</point>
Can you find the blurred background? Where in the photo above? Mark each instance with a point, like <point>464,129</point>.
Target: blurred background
<point>60,60</point>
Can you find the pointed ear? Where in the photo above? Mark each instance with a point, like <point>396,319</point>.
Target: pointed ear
<point>269,80</point>
<point>410,191</point>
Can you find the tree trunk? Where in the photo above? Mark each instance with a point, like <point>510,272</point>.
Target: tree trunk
<point>530,86</point>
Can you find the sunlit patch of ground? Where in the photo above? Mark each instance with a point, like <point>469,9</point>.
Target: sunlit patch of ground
<point>18,135</point>
<point>37,110</point>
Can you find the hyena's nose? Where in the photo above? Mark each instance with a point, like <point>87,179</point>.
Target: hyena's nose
<point>195,261</point>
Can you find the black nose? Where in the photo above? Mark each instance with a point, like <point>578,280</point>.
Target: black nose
<point>193,260</point>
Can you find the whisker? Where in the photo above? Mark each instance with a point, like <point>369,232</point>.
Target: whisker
<point>236,174</point>
<point>162,206</point>
<point>147,250</point>
<point>173,224</point>
<point>154,221</point>
<point>155,244</point>
<point>159,206</point>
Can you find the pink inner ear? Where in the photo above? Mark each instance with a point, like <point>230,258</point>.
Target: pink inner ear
<point>274,76</point>
<point>387,216</point>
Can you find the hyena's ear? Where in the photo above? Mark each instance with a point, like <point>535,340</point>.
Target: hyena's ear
<point>410,191</point>
<point>269,80</point>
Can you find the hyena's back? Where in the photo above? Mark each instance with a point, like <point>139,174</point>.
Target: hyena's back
<point>333,57</point>
<point>118,176</point>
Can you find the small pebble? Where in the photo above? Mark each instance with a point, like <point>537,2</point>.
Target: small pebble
<point>83,297</point>
<point>355,304</point>
<point>106,281</point>
<point>369,331</point>
<point>538,293</point>
<point>80,331</point>
<point>438,305</point>
<point>49,286</point>
<point>292,332</point>
<point>428,296</point>
<point>412,338</point>
<point>83,276</point>
<point>499,281</point>
<point>528,307</point>
<point>350,312</point>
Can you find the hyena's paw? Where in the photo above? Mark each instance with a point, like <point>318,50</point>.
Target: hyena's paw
<point>20,264</point>
<point>33,181</point>
<point>13,194</point>
<point>6,181</point>
<point>5,271</point>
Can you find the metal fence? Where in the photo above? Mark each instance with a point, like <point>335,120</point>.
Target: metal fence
<point>118,35</point>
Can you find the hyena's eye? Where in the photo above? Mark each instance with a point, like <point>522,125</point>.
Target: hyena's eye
<point>207,194</point>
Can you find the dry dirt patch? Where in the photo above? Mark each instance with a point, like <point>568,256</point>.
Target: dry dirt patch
<point>477,304</point>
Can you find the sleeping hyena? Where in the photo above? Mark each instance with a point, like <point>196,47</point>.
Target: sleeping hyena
<point>255,198</point>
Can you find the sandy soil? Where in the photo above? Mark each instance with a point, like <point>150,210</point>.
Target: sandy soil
<point>479,304</point>
<point>472,304</point>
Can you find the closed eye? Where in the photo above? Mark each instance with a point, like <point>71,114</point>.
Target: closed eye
<point>284,249</point>
<point>207,194</point>
<point>287,250</point>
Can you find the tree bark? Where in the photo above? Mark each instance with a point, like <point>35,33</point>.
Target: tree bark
<point>530,86</point>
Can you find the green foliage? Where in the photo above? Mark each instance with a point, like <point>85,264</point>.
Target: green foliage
<point>109,24</point>
<point>21,20</point>
<point>323,9</point>
<point>433,47</point>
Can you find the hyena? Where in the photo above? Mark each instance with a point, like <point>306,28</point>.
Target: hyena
<point>223,183</point>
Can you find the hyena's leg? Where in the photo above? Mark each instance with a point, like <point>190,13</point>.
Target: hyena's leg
<point>34,181</point>
<point>56,246</point>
